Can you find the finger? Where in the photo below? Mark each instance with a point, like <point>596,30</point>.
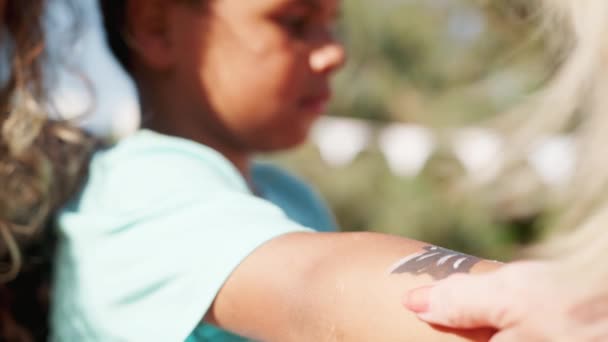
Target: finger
<point>462,301</point>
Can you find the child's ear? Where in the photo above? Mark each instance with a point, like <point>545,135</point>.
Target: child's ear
<point>147,32</point>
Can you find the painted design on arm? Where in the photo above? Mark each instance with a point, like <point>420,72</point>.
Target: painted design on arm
<point>435,261</point>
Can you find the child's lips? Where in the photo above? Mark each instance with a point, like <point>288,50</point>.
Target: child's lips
<point>316,104</point>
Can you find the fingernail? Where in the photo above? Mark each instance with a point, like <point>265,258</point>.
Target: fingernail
<point>417,300</point>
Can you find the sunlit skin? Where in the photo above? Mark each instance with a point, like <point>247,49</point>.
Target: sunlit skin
<point>261,75</point>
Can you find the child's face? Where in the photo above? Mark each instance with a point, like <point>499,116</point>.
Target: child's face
<point>261,67</point>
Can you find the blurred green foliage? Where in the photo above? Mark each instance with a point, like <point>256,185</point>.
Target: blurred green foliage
<point>442,64</point>
<point>438,62</point>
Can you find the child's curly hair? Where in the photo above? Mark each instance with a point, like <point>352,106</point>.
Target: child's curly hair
<point>42,163</point>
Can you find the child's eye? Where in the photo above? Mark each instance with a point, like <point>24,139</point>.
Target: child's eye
<point>296,25</point>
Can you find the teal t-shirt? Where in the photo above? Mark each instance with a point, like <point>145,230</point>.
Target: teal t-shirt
<point>158,228</point>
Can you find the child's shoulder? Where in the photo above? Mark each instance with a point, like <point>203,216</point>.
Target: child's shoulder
<point>155,153</point>
<point>149,144</point>
<point>150,166</point>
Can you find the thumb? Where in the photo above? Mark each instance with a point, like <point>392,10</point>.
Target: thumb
<point>460,301</point>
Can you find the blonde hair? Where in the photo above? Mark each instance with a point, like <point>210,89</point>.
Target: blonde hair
<point>42,163</point>
<point>575,95</point>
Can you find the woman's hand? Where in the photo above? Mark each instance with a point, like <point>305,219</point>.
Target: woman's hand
<point>526,301</point>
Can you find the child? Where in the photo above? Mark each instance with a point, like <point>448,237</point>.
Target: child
<point>177,229</point>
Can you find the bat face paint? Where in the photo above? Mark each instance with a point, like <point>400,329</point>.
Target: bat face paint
<point>435,261</point>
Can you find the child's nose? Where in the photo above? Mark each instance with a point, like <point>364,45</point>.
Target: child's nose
<point>328,58</point>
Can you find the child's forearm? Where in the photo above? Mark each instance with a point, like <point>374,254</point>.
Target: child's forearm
<point>337,287</point>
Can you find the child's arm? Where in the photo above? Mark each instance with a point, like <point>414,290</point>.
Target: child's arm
<point>334,287</point>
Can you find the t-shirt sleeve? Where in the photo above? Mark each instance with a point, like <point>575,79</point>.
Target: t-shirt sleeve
<point>152,240</point>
